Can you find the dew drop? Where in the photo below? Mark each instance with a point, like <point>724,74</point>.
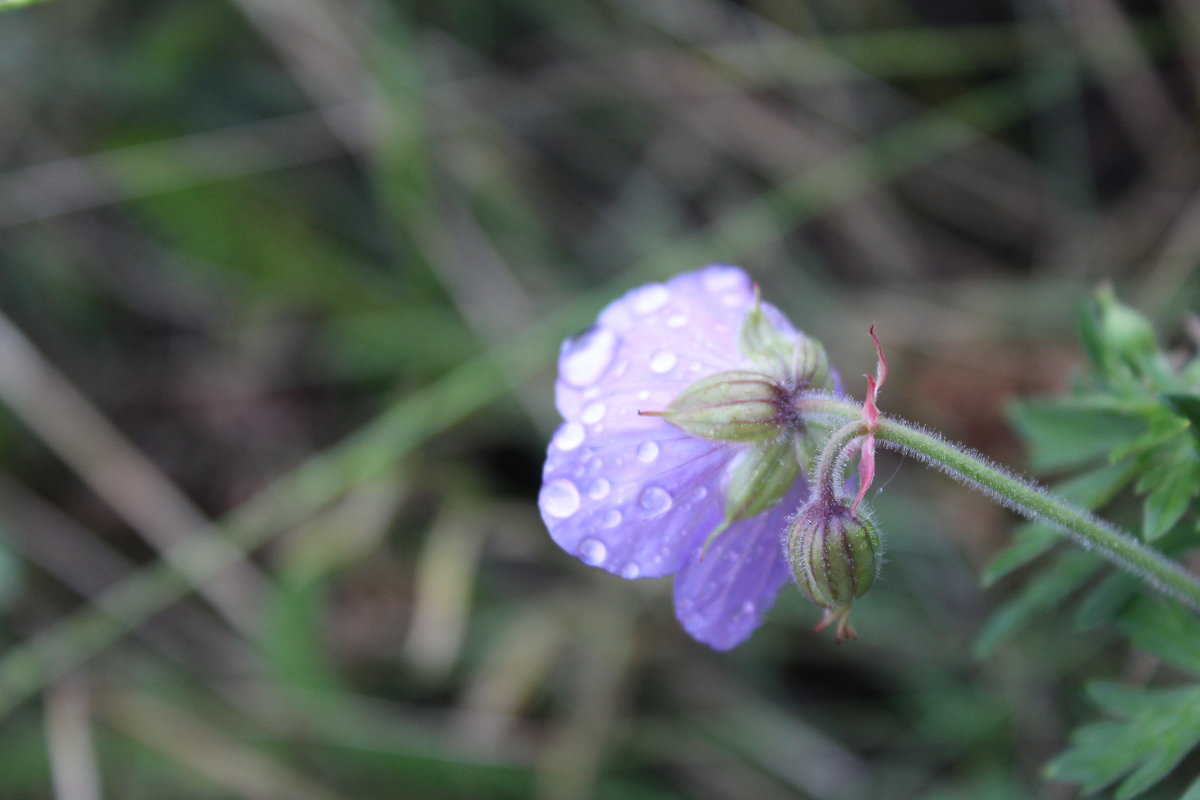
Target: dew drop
<point>611,518</point>
<point>559,498</point>
<point>593,551</point>
<point>662,361</point>
<point>700,493</point>
<point>651,298</point>
<point>569,436</point>
<point>586,356</point>
<point>630,571</point>
<point>593,412</point>
<point>599,489</point>
<point>647,452</point>
<point>677,320</point>
<point>722,279</point>
<point>654,501</point>
<point>643,394</point>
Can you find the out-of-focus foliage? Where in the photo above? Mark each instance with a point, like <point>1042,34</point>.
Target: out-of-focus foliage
<point>281,290</point>
<point>1129,424</point>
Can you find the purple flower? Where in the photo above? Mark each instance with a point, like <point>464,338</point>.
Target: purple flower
<point>639,496</point>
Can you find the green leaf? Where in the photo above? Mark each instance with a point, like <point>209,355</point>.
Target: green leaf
<point>1186,406</point>
<point>1030,541</point>
<point>1157,728</point>
<point>1165,629</point>
<point>1106,600</point>
<point>1064,434</point>
<point>1043,593</point>
<point>1166,504</point>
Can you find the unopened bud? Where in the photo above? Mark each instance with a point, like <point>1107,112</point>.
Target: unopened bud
<point>791,358</point>
<point>1125,333</point>
<point>734,406</point>
<point>834,555</point>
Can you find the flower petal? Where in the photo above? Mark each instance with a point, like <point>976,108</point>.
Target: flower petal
<point>720,598</point>
<point>632,502</point>
<point>625,491</point>
<point>654,342</point>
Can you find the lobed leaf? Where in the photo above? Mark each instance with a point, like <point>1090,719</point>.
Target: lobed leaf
<point>1167,630</point>
<point>1156,729</point>
<point>1043,593</point>
<point>1064,434</point>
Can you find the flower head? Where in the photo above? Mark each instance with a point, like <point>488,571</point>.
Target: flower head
<point>678,452</point>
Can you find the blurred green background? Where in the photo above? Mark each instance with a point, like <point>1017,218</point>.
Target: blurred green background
<point>282,284</point>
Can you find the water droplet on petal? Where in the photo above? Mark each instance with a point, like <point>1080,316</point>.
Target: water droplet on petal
<point>700,493</point>
<point>611,518</point>
<point>586,356</point>
<point>593,412</point>
<point>647,452</point>
<point>651,298</point>
<point>599,489</point>
<point>630,571</point>
<point>559,498</point>
<point>593,551</point>
<point>569,436</point>
<point>662,361</point>
<point>677,320</point>
<point>643,394</point>
<point>654,501</point>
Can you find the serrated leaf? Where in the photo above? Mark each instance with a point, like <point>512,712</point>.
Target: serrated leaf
<point>1162,427</point>
<point>1064,434</point>
<point>1044,592</point>
<point>1166,503</point>
<point>1157,728</point>
<point>1186,406</point>
<point>1104,602</point>
<point>1165,629</point>
<point>1030,541</point>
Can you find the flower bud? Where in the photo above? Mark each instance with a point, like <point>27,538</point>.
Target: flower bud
<point>791,358</point>
<point>834,555</point>
<point>1124,333</point>
<point>733,406</point>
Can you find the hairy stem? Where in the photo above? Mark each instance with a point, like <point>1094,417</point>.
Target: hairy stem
<point>960,463</point>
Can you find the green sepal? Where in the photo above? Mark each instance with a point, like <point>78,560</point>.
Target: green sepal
<point>761,477</point>
<point>733,406</point>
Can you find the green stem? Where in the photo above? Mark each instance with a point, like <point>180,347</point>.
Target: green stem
<point>1087,530</point>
